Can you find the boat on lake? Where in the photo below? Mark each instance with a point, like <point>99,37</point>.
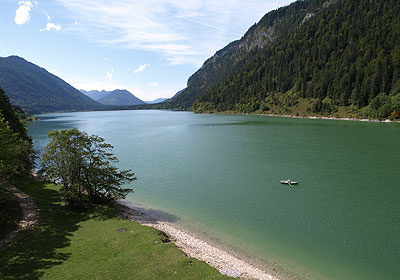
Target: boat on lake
<point>289,182</point>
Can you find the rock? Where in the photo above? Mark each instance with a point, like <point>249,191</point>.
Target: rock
<point>164,237</point>
<point>122,229</point>
<point>165,240</point>
<point>230,272</point>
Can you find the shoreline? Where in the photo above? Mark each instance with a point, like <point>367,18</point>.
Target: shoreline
<point>226,263</point>
<point>327,118</point>
<point>302,117</point>
<point>245,114</point>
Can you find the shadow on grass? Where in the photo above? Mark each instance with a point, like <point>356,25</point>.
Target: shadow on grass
<point>36,250</point>
<point>10,212</point>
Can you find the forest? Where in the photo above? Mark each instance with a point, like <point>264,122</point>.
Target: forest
<point>320,57</point>
<point>16,158</point>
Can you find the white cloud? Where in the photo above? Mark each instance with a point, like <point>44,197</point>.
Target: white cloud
<point>22,15</point>
<point>141,68</point>
<point>154,84</point>
<point>183,32</point>
<point>51,26</point>
<point>109,74</point>
<point>153,93</point>
<point>48,18</point>
<point>100,85</point>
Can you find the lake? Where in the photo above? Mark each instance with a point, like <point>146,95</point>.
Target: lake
<point>218,175</point>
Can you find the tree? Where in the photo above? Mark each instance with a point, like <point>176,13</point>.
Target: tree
<point>9,151</point>
<point>10,114</point>
<point>16,157</point>
<point>396,106</point>
<point>12,125</point>
<point>83,164</point>
<point>8,168</point>
<point>348,51</point>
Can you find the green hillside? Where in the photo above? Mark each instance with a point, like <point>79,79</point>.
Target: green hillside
<point>311,57</point>
<point>35,90</point>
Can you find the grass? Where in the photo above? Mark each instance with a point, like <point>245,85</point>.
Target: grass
<point>10,212</point>
<point>69,245</point>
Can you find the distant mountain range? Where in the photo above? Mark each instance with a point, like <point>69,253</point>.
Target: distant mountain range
<point>158,100</point>
<point>116,97</point>
<point>95,94</point>
<point>35,90</point>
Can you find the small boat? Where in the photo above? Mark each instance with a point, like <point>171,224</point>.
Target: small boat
<point>289,182</point>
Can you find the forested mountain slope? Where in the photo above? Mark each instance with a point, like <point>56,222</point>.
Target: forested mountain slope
<point>272,27</point>
<point>313,56</point>
<point>35,90</point>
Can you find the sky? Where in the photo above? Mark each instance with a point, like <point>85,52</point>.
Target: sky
<point>149,47</point>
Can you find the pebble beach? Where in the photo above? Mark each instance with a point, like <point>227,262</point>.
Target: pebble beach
<point>225,262</point>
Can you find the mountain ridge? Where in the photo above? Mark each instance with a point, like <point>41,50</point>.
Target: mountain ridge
<point>223,63</point>
<point>333,57</point>
<point>117,97</point>
<point>95,94</point>
<point>155,101</point>
<point>36,90</point>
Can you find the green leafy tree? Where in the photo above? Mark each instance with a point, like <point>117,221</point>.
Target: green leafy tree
<point>8,167</point>
<point>14,153</point>
<point>11,116</point>
<point>9,152</point>
<point>396,106</point>
<point>83,164</point>
<point>23,159</point>
<point>16,158</point>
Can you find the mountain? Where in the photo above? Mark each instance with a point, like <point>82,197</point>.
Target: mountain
<point>95,94</point>
<point>330,57</point>
<point>36,91</point>
<point>116,97</point>
<point>120,97</point>
<point>158,100</point>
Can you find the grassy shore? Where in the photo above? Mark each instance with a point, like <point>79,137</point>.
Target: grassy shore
<point>96,244</point>
<point>301,110</point>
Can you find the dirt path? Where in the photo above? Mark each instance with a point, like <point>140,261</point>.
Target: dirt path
<point>29,217</point>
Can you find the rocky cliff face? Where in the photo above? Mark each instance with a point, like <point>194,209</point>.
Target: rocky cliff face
<point>269,29</point>
<point>312,57</point>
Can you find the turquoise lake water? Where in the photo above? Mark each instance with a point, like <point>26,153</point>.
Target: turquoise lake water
<point>219,176</point>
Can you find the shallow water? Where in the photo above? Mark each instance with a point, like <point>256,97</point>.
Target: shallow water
<point>219,175</point>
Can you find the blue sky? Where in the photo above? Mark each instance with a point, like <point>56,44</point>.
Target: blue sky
<point>150,47</point>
